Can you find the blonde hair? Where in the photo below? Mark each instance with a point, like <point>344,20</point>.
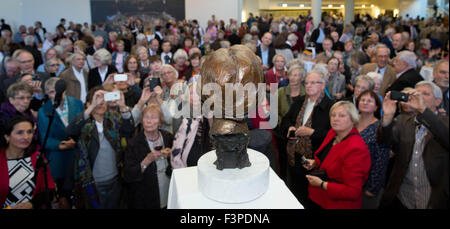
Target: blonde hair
<point>350,108</point>
<point>153,108</point>
<point>105,56</point>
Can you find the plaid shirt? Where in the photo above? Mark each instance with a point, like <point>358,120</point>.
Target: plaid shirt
<point>415,190</point>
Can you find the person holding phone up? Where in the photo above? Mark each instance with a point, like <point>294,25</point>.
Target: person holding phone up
<point>420,175</point>
<point>101,134</point>
<point>341,164</point>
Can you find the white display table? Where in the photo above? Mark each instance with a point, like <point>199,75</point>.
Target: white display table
<point>184,194</point>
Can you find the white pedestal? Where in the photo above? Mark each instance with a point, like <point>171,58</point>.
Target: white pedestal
<point>233,185</point>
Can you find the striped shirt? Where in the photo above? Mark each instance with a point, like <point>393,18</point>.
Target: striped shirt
<point>415,190</point>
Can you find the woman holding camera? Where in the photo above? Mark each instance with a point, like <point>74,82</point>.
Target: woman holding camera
<point>101,134</point>
<point>341,164</point>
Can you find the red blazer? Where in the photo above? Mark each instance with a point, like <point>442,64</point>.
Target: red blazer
<point>272,76</point>
<point>348,164</point>
<point>4,177</point>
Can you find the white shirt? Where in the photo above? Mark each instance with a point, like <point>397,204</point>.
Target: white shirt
<point>103,74</point>
<point>163,57</point>
<point>80,78</point>
<point>308,110</point>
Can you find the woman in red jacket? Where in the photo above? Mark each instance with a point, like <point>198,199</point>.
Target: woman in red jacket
<point>342,163</point>
<point>18,188</point>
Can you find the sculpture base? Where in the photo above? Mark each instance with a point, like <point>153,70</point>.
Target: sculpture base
<point>233,185</point>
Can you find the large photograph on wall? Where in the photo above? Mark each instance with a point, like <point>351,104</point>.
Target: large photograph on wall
<point>116,12</point>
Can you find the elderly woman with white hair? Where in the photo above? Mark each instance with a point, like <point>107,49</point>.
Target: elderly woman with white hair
<point>51,53</point>
<point>97,76</point>
<point>179,62</point>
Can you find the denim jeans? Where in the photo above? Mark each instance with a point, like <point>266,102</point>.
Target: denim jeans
<point>109,193</point>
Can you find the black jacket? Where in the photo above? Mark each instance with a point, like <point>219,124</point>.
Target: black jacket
<point>407,79</point>
<point>94,78</point>
<point>320,120</point>
<point>271,54</point>
<point>143,188</point>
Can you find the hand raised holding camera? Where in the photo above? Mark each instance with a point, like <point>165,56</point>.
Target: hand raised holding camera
<point>416,101</point>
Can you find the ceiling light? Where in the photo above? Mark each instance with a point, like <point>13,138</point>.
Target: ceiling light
<point>302,5</point>
<point>329,6</point>
<point>284,5</point>
<point>342,6</point>
<point>363,6</point>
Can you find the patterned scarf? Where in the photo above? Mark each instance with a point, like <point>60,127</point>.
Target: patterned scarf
<point>182,144</point>
<point>85,189</point>
<point>303,145</point>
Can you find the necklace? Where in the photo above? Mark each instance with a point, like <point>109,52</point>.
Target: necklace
<point>154,140</point>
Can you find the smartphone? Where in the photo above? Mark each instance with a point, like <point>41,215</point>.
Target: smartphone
<point>154,82</point>
<point>120,77</point>
<point>399,96</point>
<point>292,134</point>
<point>112,96</point>
<point>35,77</point>
<point>304,161</point>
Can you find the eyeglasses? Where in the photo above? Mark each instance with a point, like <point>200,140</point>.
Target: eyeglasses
<point>313,82</point>
<point>51,92</point>
<point>26,61</point>
<point>53,65</point>
<point>166,73</point>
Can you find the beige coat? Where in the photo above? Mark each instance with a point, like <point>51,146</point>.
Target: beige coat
<point>73,87</point>
<point>388,78</point>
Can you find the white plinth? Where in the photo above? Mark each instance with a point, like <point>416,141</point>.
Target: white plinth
<point>233,185</point>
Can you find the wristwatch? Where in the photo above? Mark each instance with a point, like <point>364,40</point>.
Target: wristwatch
<point>143,166</point>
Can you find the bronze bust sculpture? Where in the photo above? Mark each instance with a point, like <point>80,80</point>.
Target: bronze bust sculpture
<point>230,134</point>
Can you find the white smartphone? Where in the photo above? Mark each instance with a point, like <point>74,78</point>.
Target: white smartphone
<point>120,77</point>
<point>112,96</point>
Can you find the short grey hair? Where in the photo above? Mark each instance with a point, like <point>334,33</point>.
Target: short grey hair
<point>375,76</point>
<point>367,79</point>
<point>437,92</point>
<point>180,53</point>
<point>171,68</point>
<point>381,45</point>
<point>76,53</point>
<point>141,36</point>
<point>28,40</point>
<point>278,55</point>
<point>295,67</point>
<point>408,57</point>
<point>49,61</point>
<point>15,88</point>
<point>50,83</point>
<point>292,37</point>
<point>436,65</point>
<point>322,68</point>
<point>322,76</point>
<point>105,56</point>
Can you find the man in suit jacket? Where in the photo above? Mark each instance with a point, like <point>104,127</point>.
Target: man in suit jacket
<point>398,44</point>
<point>265,51</point>
<point>420,175</point>
<point>381,67</point>
<point>318,35</point>
<point>76,78</point>
<point>440,75</point>
<point>166,54</point>
<point>407,76</point>
<point>26,65</point>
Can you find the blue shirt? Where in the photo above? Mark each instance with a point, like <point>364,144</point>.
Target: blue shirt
<point>321,36</point>
<point>265,56</point>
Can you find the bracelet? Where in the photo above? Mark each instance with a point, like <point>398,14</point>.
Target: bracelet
<point>143,166</point>
<point>321,184</point>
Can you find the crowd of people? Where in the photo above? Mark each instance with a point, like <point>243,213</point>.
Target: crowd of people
<point>362,110</point>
